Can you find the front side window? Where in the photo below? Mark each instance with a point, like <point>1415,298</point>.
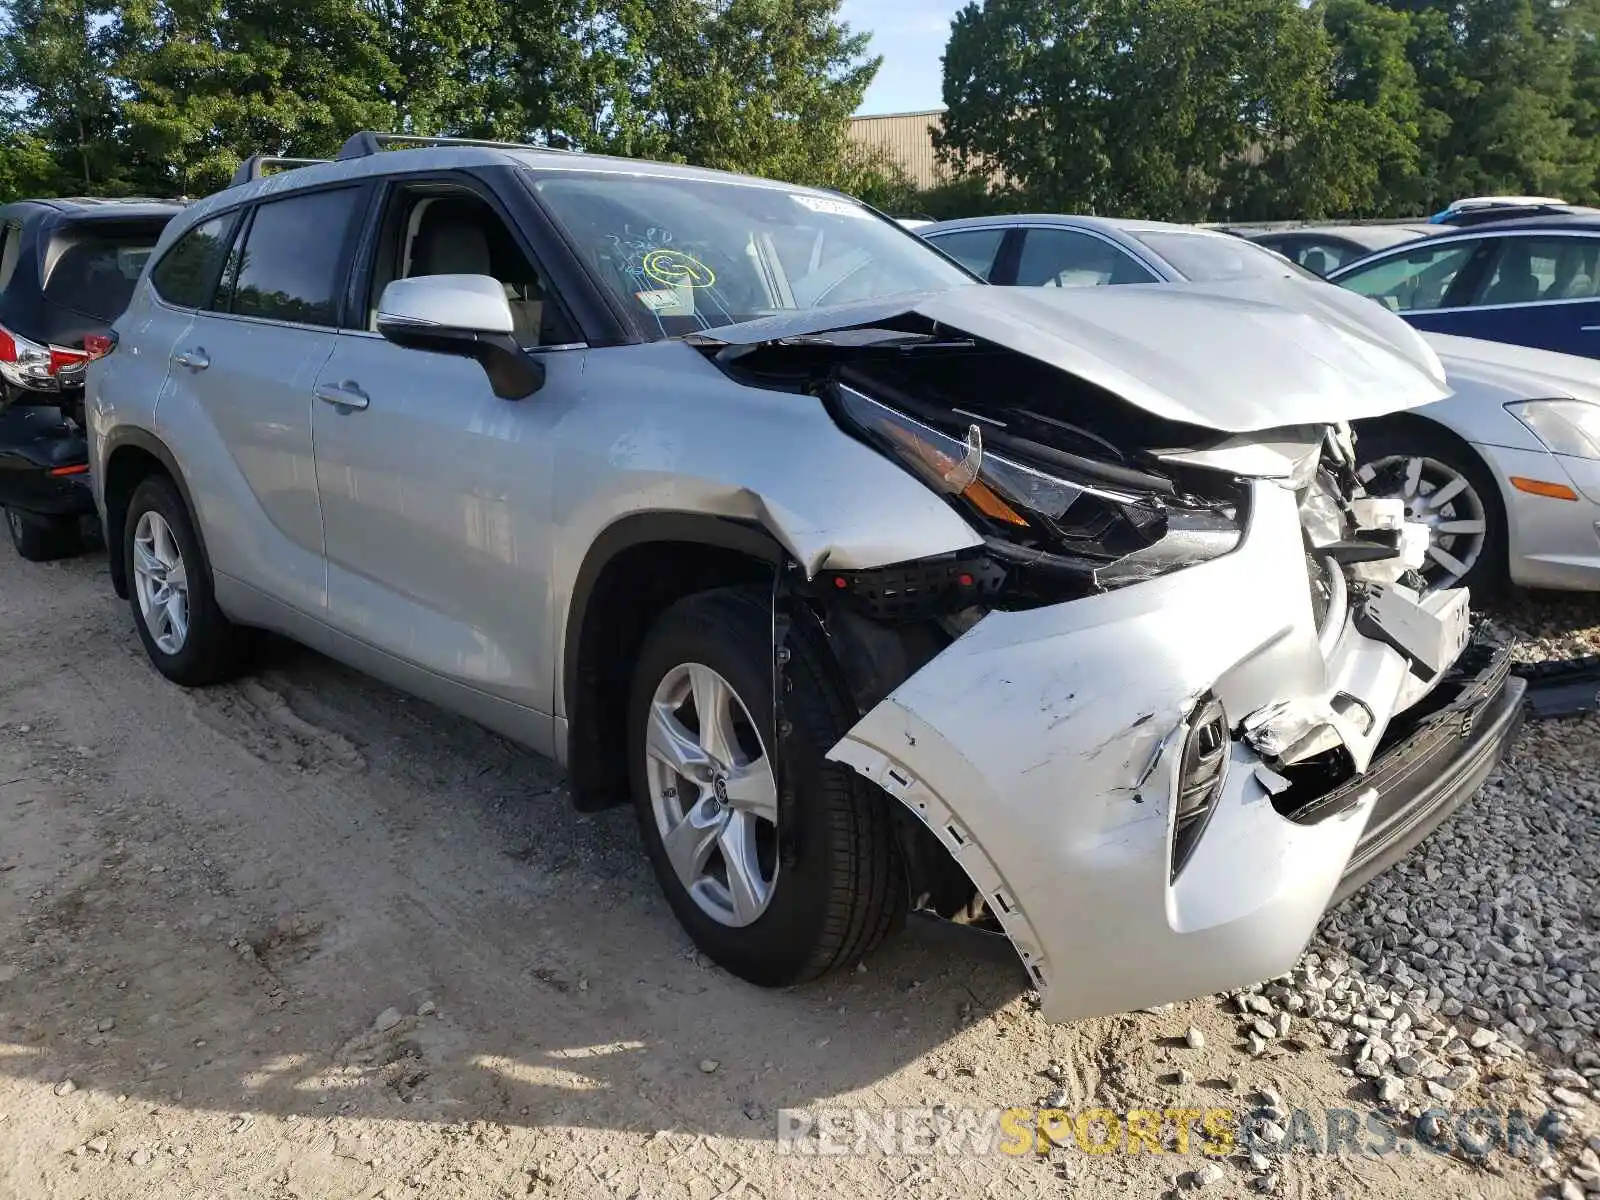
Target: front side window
<point>187,273</point>
<point>450,231</point>
<point>1414,281</point>
<point>291,267</point>
<point>93,269</point>
<point>1069,258</point>
<point>1532,268</point>
<point>690,254</point>
<point>974,249</point>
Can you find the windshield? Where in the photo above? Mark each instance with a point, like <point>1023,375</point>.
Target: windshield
<point>693,254</point>
<point>1214,257</point>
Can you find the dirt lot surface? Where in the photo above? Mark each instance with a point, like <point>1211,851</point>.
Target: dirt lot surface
<point>301,936</point>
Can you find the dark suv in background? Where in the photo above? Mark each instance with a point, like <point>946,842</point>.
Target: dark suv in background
<point>67,270</point>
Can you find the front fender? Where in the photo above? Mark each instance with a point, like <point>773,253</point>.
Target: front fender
<point>702,450</point>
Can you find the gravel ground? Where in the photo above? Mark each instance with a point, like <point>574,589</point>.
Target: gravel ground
<point>1496,916</point>
<point>302,937</point>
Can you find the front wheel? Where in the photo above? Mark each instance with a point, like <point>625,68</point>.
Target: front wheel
<point>1446,487</point>
<point>185,634</point>
<point>777,893</point>
<point>43,539</point>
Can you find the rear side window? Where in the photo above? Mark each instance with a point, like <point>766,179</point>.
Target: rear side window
<point>1534,268</point>
<point>292,267</point>
<point>93,269</point>
<point>187,273</point>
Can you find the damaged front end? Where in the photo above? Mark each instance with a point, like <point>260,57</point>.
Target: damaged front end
<point>1150,714</point>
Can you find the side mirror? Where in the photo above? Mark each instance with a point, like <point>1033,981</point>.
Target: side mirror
<point>461,314</point>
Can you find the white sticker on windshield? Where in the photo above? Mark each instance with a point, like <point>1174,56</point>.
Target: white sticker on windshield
<point>834,208</point>
<point>667,302</point>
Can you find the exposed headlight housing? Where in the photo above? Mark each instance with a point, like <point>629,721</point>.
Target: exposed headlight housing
<point>1570,427</point>
<point>1044,518</point>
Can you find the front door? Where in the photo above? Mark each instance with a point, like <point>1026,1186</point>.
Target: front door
<point>435,492</point>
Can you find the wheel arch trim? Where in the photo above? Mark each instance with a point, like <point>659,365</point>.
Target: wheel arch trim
<point>125,437</point>
<point>639,529</point>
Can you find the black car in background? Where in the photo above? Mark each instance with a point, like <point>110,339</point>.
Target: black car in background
<point>67,270</point>
<point>1322,249</point>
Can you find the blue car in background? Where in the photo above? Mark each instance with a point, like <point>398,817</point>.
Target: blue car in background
<point>1533,282</point>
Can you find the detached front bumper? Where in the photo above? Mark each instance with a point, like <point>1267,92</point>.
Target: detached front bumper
<point>1426,775</point>
<point>1044,749</point>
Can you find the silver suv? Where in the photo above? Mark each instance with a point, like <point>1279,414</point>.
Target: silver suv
<point>873,588</point>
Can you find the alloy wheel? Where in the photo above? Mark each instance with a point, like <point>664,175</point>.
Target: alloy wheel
<point>161,582</point>
<point>713,794</point>
<point>1442,498</point>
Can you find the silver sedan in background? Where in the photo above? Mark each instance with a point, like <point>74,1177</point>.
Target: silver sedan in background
<point>1505,471</point>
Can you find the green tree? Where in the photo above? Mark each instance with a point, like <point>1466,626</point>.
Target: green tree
<point>1169,108</point>
<point>1504,78</point>
<point>761,86</point>
<point>207,84</point>
<point>55,80</point>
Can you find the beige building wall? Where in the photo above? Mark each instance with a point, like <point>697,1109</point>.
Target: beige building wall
<point>904,138</point>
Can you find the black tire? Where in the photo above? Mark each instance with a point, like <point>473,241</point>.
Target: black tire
<point>842,888</point>
<point>1487,577</point>
<point>215,649</point>
<point>44,539</point>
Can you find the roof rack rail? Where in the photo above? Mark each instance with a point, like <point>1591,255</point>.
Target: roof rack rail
<point>360,145</point>
<point>255,167</point>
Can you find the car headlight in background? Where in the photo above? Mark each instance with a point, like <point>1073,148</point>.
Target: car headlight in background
<point>1039,518</point>
<point>1570,427</point>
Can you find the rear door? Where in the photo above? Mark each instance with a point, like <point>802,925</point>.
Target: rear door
<point>241,391</point>
<point>1541,291</point>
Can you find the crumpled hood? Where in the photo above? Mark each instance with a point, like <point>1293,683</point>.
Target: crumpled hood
<point>1238,356</point>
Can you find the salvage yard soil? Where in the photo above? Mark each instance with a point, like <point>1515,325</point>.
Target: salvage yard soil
<point>301,936</point>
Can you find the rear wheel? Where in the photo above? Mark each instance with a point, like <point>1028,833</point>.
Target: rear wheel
<point>1445,486</point>
<point>43,539</point>
<point>775,894</point>
<point>175,610</point>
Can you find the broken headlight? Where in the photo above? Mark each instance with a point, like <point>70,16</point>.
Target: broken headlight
<point>1042,519</point>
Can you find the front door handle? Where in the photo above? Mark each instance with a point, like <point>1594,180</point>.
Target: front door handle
<point>195,359</point>
<point>342,395</point>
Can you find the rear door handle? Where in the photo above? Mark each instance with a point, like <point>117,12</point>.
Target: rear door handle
<point>195,359</point>
<point>342,395</point>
